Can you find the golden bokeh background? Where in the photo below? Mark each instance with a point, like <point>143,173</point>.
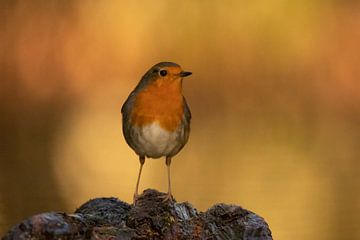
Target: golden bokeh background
<point>275,98</point>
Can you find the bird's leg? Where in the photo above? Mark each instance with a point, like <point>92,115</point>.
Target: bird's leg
<point>168,197</point>
<point>136,194</point>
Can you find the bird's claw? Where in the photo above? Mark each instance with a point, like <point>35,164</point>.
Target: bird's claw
<point>167,198</point>
<point>136,197</point>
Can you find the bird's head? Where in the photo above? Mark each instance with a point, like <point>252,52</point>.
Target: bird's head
<point>164,73</point>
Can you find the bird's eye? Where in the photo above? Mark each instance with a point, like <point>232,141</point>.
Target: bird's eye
<point>163,73</point>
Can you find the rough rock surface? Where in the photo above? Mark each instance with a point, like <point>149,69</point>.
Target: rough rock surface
<point>150,218</point>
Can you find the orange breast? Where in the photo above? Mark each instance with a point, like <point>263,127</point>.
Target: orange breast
<point>161,102</point>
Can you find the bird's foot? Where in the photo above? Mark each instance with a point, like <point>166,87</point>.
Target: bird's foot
<point>167,198</point>
<point>135,198</point>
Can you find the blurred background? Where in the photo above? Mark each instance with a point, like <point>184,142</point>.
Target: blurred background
<point>275,98</point>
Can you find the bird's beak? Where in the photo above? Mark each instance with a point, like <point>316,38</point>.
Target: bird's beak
<point>185,74</point>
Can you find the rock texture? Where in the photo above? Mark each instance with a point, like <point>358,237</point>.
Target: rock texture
<point>150,218</point>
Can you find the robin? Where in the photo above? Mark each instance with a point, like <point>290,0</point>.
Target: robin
<point>156,117</point>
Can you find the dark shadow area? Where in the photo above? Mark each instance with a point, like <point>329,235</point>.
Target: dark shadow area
<point>28,124</point>
<point>27,134</point>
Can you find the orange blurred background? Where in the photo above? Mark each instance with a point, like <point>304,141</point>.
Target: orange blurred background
<point>275,100</point>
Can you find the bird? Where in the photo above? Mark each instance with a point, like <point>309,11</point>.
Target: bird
<point>156,117</point>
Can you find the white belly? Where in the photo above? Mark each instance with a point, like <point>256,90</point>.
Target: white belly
<point>153,141</point>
